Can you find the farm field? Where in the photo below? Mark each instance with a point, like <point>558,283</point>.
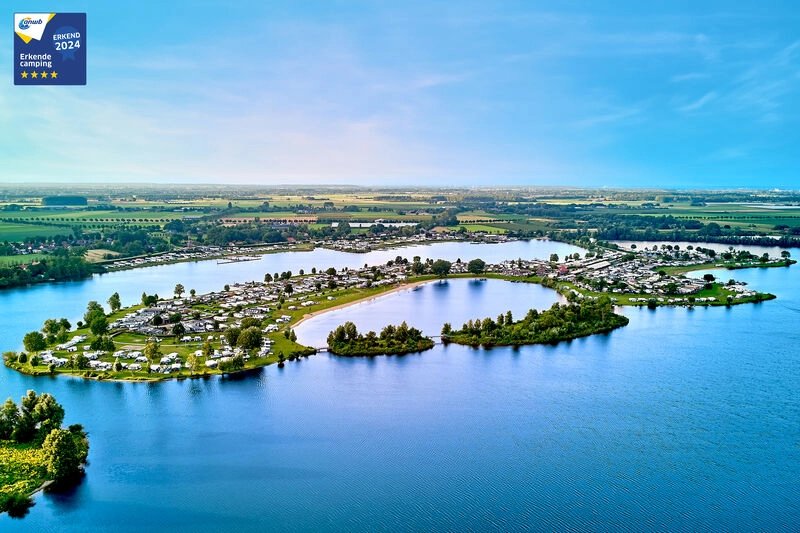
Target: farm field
<point>13,232</point>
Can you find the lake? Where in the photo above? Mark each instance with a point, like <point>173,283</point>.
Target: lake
<point>683,420</point>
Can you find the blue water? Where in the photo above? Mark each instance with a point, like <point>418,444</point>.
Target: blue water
<point>684,420</point>
<point>429,306</point>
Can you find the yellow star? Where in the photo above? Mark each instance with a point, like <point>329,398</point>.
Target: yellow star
<point>44,74</point>
<point>34,74</point>
<point>54,74</point>
<point>24,74</point>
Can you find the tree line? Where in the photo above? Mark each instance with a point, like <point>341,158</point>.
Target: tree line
<point>560,322</point>
<point>393,340</point>
<point>53,268</point>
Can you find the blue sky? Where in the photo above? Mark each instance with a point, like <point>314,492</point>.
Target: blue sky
<point>612,93</point>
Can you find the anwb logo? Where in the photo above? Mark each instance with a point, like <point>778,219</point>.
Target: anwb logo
<point>25,23</point>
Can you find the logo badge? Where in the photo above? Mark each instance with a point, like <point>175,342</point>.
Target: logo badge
<point>50,49</point>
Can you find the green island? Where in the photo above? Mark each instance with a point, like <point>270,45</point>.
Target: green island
<point>559,323</point>
<point>251,325</point>
<point>345,340</point>
<point>36,452</point>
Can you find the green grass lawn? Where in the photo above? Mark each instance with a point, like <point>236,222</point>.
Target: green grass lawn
<point>11,260</point>
<point>12,232</point>
<point>484,228</point>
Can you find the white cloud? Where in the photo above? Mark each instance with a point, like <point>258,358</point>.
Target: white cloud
<point>690,76</point>
<point>613,116</point>
<point>729,153</point>
<point>699,103</point>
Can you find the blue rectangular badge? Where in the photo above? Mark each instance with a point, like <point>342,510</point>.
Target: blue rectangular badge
<point>49,48</point>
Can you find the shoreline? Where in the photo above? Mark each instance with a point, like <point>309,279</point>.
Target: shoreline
<point>393,290</point>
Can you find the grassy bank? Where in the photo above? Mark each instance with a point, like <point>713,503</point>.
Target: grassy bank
<point>22,471</point>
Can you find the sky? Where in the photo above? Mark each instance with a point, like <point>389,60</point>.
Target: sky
<point>576,93</point>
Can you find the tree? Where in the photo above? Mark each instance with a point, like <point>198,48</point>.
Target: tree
<point>114,302</point>
<point>672,288</point>
<point>152,352</point>
<point>232,335</point>
<point>192,292</point>
<point>179,290</point>
<point>25,428</point>
<point>9,416</point>
<point>268,277</point>
<point>343,228</point>
<point>48,415</point>
<point>476,266</point>
<point>709,277</point>
<point>80,361</point>
<point>34,341</point>
<point>249,322</point>
<point>351,331</point>
<point>99,325</point>
<point>191,361</point>
<point>293,336</point>
<point>178,329</point>
<point>441,268</point>
<point>61,455</point>
<point>51,327</point>
<point>208,349</point>
<point>554,258</point>
<point>250,338</point>
<point>93,310</point>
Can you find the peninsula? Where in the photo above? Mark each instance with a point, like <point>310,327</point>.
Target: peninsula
<point>249,325</point>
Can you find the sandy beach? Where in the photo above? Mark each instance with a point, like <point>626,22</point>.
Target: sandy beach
<point>369,299</point>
